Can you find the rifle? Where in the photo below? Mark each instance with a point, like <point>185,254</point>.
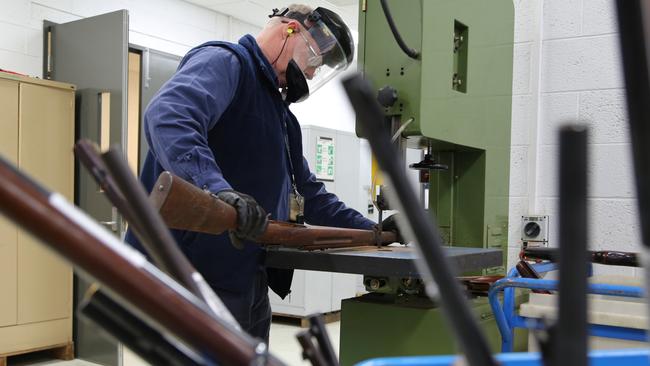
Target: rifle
<point>186,207</point>
<point>608,257</point>
<point>137,284</point>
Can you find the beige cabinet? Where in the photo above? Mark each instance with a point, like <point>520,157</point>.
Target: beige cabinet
<point>8,234</point>
<point>37,134</point>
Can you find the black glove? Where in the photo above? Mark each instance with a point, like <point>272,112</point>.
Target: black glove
<point>390,224</point>
<point>252,220</point>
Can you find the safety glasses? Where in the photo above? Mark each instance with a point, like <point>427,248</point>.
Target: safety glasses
<point>314,59</point>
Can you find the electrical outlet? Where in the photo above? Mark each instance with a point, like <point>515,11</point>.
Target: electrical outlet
<point>534,230</point>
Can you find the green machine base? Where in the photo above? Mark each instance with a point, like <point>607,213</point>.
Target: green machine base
<point>384,326</point>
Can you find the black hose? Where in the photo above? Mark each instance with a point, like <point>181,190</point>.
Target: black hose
<point>411,52</point>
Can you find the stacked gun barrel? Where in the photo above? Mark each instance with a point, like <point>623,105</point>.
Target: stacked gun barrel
<point>144,306</point>
<point>160,308</point>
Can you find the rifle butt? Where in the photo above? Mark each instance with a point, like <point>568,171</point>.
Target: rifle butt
<point>184,206</point>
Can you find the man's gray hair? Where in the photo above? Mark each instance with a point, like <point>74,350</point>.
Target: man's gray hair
<point>297,8</point>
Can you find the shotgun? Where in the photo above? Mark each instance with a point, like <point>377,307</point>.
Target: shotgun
<point>186,207</point>
<point>137,284</point>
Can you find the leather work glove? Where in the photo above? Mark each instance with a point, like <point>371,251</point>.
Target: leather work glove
<point>252,219</point>
<point>390,224</point>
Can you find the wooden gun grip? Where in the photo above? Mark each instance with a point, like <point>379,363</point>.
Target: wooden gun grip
<point>186,207</point>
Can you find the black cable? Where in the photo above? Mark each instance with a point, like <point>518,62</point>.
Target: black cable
<point>411,52</point>
<point>282,49</point>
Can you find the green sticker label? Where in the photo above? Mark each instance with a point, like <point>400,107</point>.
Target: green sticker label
<point>325,157</point>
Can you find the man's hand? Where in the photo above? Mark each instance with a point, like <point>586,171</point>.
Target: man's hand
<point>252,220</point>
<point>390,224</point>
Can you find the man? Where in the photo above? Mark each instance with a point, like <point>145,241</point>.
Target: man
<point>222,122</point>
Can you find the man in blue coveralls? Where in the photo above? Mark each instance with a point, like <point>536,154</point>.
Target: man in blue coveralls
<point>222,122</point>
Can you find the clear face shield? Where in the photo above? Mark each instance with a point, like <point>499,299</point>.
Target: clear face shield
<point>321,56</point>
<point>317,58</point>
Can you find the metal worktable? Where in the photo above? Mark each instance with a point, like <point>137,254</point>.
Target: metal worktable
<point>391,261</point>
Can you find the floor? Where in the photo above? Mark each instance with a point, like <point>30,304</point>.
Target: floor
<point>283,345</point>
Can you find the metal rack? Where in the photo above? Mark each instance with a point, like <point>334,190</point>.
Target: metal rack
<point>507,318</point>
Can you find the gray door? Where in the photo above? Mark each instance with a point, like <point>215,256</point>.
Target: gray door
<point>92,54</point>
<point>157,68</point>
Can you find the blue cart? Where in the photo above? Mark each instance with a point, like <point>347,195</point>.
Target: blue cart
<point>507,319</point>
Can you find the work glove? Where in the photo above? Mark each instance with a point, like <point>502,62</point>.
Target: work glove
<point>390,224</point>
<point>252,220</point>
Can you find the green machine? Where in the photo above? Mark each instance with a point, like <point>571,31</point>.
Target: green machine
<point>454,100</point>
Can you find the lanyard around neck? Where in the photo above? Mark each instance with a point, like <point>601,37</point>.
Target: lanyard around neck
<point>288,151</point>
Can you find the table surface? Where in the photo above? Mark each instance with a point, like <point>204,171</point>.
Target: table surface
<point>392,261</point>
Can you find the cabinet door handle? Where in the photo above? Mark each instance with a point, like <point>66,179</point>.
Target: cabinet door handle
<point>110,224</point>
<point>113,223</point>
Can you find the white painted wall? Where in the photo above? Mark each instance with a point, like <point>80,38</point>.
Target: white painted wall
<point>171,26</point>
<point>574,46</point>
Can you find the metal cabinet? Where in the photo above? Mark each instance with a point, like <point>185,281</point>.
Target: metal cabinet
<point>313,291</point>
<point>37,124</point>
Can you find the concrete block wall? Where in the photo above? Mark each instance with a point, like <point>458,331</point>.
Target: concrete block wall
<point>525,101</point>
<point>567,68</point>
<point>166,25</point>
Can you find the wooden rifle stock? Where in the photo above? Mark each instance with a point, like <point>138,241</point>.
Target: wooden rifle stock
<point>184,206</point>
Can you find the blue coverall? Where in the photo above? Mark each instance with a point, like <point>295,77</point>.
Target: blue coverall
<point>219,123</point>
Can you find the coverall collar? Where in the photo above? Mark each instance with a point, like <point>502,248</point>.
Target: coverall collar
<point>265,67</point>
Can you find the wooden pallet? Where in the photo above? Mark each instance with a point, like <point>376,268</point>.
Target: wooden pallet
<point>302,321</point>
<point>60,351</point>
